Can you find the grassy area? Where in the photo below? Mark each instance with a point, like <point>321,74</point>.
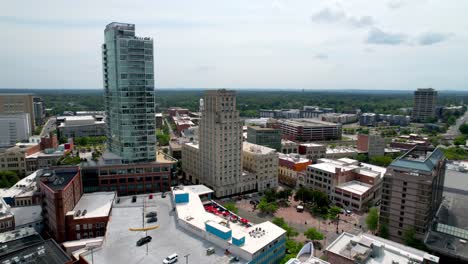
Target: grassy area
<point>455,153</point>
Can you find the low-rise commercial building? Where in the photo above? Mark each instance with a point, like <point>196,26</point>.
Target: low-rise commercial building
<point>407,142</point>
<point>27,246</point>
<point>128,179</point>
<point>261,162</point>
<point>90,215</point>
<point>368,249</point>
<point>174,111</point>
<point>348,183</point>
<point>289,168</point>
<point>268,137</point>
<point>261,243</point>
<point>24,192</point>
<point>14,158</point>
<point>313,151</point>
<point>81,126</point>
<point>309,130</point>
<point>289,147</point>
<point>340,152</point>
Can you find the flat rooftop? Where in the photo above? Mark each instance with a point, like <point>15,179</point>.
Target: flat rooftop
<point>362,246</point>
<point>355,187</point>
<point>311,145</point>
<point>63,178</point>
<point>296,158</point>
<point>306,122</point>
<point>340,150</point>
<point>97,204</point>
<point>416,159</point>
<point>120,243</point>
<point>25,215</point>
<point>24,187</point>
<point>256,149</point>
<point>194,213</point>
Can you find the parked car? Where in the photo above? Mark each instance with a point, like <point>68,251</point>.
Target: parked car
<point>152,220</point>
<point>171,259</point>
<point>151,214</point>
<point>144,240</point>
<point>163,195</point>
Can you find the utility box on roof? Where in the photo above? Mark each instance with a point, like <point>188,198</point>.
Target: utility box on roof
<point>181,197</point>
<point>218,230</point>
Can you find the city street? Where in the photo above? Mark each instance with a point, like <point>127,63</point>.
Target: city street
<point>453,131</point>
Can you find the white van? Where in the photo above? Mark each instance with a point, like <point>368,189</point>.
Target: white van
<point>171,259</point>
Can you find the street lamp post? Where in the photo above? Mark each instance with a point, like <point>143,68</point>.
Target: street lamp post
<point>186,258</point>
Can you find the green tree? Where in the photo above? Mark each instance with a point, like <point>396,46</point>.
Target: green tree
<point>292,248</point>
<point>362,157</point>
<point>451,120</point>
<point>290,231</point>
<point>284,194</point>
<point>409,238</point>
<point>383,230</point>
<point>268,208</point>
<point>372,219</point>
<point>381,160</point>
<point>231,207</point>
<point>270,195</point>
<point>463,128</point>
<point>313,234</point>
<point>334,211</point>
<point>460,140</point>
<point>8,179</point>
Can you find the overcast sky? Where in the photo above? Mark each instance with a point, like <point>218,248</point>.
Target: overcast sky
<point>372,44</point>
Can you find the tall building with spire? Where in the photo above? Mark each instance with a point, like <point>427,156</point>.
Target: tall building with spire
<point>128,75</point>
<point>220,143</point>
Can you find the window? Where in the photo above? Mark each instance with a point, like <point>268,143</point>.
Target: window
<point>77,227</point>
<point>78,236</point>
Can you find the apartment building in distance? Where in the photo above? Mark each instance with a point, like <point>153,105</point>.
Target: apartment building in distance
<point>305,130</point>
<point>374,145</point>
<point>424,105</point>
<point>17,104</point>
<point>263,163</point>
<point>347,182</point>
<point>313,151</point>
<point>412,192</point>
<point>268,137</point>
<point>61,189</point>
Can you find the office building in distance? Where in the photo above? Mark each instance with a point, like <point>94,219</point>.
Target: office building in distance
<point>18,104</point>
<point>14,128</point>
<point>128,73</point>
<point>309,130</point>
<point>81,126</point>
<point>268,137</point>
<point>412,192</point>
<point>424,105</point>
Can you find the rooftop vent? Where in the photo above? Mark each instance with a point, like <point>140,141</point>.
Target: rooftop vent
<point>84,212</point>
<point>78,213</point>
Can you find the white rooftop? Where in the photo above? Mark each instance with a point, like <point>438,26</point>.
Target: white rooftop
<point>199,189</point>
<point>24,187</point>
<point>5,211</point>
<point>25,215</point>
<point>256,149</point>
<point>390,251</point>
<point>194,214</point>
<point>311,145</point>
<point>340,150</point>
<point>97,204</point>
<point>293,157</point>
<point>355,187</point>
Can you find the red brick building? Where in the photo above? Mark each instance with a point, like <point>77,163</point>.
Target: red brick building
<point>49,142</point>
<point>90,216</point>
<point>61,189</point>
<point>173,111</point>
